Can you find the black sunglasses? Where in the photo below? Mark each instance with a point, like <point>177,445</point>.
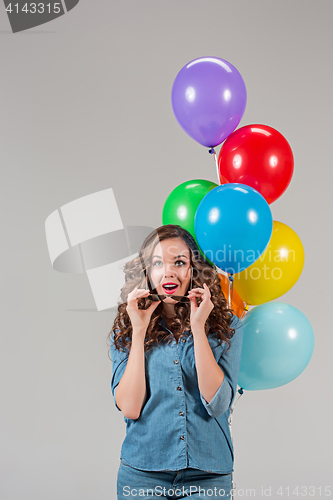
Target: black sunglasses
<point>177,298</point>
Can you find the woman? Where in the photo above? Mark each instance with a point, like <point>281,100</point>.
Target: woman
<point>176,351</point>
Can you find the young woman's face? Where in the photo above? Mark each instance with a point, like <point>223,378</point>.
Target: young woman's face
<point>170,269</point>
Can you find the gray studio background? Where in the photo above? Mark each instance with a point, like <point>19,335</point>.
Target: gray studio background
<point>84,106</point>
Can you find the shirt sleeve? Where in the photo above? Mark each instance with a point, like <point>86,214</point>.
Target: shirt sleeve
<point>229,362</point>
<point>119,363</point>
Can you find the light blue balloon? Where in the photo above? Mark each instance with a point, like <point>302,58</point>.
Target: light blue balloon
<point>233,225</point>
<point>278,343</point>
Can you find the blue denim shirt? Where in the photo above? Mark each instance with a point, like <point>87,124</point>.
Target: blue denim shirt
<point>177,428</point>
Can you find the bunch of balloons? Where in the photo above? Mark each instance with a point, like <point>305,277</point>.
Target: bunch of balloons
<point>259,259</point>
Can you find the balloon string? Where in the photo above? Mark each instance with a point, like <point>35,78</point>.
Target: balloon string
<point>240,392</point>
<point>213,152</point>
<point>237,398</point>
<point>245,310</point>
<point>230,289</point>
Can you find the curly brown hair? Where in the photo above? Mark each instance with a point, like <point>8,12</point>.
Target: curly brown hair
<point>137,275</point>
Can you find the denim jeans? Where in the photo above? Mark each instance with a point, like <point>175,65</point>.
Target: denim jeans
<point>171,485</point>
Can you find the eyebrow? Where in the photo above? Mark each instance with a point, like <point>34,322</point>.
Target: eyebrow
<point>177,256</point>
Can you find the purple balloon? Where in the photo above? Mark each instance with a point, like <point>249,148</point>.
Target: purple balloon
<point>208,99</point>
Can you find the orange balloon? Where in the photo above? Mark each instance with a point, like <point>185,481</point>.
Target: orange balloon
<point>238,306</point>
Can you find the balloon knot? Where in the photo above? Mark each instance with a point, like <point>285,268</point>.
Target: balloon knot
<point>231,278</point>
<point>240,391</point>
<point>211,151</point>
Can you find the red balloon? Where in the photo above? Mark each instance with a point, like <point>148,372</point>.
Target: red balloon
<point>260,157</point>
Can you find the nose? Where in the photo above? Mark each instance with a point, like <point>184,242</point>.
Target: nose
<point>169,271</point>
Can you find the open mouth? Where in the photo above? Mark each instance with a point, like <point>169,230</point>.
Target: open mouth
<point>169,288</point>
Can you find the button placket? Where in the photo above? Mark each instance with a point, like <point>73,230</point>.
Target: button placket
<point>179,388</point>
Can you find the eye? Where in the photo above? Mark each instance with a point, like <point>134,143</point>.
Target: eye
<point>181,262</point>
<point>157,263</point>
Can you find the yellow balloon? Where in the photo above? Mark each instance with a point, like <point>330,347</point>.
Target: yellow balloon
<point>276,271</point>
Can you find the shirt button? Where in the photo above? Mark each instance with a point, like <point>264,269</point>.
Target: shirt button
<point>181,413</point>
<point>176,361</point>
<point>179,388</point>
<point>183,340</point>
<point>182,438</point>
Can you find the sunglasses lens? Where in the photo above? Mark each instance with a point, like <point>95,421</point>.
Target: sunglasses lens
<point>180,298</point>
<point>154,297</point>
<point>177,298</point>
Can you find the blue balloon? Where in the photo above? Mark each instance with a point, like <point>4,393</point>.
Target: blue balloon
<point>233,225</point>
<point>278,343</point>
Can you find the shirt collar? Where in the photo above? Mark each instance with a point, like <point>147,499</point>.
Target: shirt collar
<point>163,322</point>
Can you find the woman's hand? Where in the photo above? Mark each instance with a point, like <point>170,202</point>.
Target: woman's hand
<point>140,318</point>
<point>199,314</point>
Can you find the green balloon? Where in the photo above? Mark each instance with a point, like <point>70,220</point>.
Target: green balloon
<point>182,203</point>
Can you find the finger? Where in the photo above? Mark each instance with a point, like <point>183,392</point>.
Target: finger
<point>137,293</point>
<point>194,304</point>
<point>196,293</point>
<point>205,298</point>
<point>199,294</point>
<point>207,291</point>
